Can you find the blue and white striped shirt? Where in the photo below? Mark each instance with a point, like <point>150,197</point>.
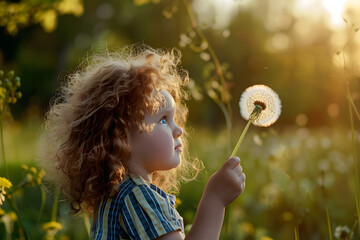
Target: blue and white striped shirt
<point>141,210</point>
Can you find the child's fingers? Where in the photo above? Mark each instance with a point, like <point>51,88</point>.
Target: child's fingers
<point>232,162</point>
<point>243,177</point>
<point>237,169</point>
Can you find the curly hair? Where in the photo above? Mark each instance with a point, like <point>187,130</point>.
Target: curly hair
<point>84,147</point>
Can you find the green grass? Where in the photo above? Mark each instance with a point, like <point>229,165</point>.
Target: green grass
<point>283,181</point>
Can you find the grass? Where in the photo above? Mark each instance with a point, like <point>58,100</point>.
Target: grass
<point>283,168</point>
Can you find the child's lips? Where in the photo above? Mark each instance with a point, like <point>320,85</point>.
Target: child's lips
<point>178,147</point>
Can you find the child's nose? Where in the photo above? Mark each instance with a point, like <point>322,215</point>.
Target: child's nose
<point>178,131</point>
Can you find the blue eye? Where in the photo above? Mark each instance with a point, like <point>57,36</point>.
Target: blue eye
<point>163,120</point>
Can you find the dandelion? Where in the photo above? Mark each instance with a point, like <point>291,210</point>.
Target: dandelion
<point>259,105</point>
<point>4,183</point>
<point>342,233</point>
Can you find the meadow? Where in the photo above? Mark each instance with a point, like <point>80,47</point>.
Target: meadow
<point>292,174</point>
<point>302,172</point>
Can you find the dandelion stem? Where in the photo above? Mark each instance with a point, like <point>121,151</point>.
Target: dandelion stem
<point>241,138</point>
<point>253,116</point>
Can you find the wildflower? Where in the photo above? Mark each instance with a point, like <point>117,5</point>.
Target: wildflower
<point>266,238</point>
<point>4,183</point>
<point>248,228</point>
<point>177,202</point>
<point>342,232</point>
<point>184,40</point>
<point>12,216</point>
<point>51,229</point>
<point>9,85</point>
<point>33,175</point>
<point>260,105</point>
<point>205,56</point>
<point>266,98</point>
<point>52,225</point>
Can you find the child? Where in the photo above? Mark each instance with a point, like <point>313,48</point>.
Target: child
<point>115,144</point>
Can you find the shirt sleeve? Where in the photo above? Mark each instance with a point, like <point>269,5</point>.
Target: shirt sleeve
<point>145,214</point>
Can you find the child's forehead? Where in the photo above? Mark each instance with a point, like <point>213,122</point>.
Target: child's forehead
<point>168,101</point>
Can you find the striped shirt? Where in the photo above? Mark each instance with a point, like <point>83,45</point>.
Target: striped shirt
<point>140,210</point>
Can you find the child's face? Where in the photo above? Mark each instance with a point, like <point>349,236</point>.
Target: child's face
<point>156,150</point>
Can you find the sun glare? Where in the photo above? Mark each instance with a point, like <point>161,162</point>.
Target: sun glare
<point>335,8</point>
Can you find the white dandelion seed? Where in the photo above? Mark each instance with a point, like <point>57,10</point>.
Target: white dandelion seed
<point>265,97</point>
<point>259,105</point>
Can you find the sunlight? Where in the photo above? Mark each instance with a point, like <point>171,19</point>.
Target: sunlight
<point>335,8</point>
<point>218,13</point>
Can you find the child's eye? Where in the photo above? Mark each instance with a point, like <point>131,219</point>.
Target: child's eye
<point>163,121</point>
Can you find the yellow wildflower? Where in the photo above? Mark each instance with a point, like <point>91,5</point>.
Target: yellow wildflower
<point>266,238</point>
<point>33,169</point>
<point>2,92</point>
<point>52,225</point>
<point>5,183</point>
<point>25,167</point>
<point>12,216</point>
<point>248,228</point>
<point>178,202</point>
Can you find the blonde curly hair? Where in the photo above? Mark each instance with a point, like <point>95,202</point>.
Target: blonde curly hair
<point>84,146</point>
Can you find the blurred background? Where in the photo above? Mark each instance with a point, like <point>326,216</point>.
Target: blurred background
<point>305,50</point>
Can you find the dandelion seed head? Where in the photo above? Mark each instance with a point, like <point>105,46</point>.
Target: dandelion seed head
<point>265,97</point>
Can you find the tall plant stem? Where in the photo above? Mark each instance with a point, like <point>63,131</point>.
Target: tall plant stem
<point>357,187</point>
<point>6,172</point>
<point>328,222</point>
<point>55,205</point>
<point>241,138</point>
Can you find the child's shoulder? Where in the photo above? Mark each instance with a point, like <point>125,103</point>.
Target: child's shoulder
<point>135,185</point>
<point>140,210</point>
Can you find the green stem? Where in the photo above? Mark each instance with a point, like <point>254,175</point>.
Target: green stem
<point>228,123</point>
<point>357,187</point>
<point>2,144</point>
<point>42,205</point>
<point>351,102</point>
<point>297,232</point>
<point>87,224</point>
<point>328,222</point>
<point>241,138</point>
<point>55,205</point>
<point>253,116</point>
<point>13,207</point>
<point>255,113</point>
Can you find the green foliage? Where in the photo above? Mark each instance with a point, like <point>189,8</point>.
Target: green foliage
<point>14,15</point>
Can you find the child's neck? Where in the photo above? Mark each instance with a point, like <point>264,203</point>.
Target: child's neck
<point>142,173</point>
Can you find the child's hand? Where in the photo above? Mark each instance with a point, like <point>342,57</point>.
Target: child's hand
<point>227,183</point>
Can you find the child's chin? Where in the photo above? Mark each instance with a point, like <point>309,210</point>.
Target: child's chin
<point>174,163</point>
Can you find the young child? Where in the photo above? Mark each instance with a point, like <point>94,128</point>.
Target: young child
<point>114,142</point>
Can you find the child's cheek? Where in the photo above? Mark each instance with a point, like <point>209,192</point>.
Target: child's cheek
<point>161,144</point>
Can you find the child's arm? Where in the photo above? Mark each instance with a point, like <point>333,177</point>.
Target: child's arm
<point>223,187</point>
